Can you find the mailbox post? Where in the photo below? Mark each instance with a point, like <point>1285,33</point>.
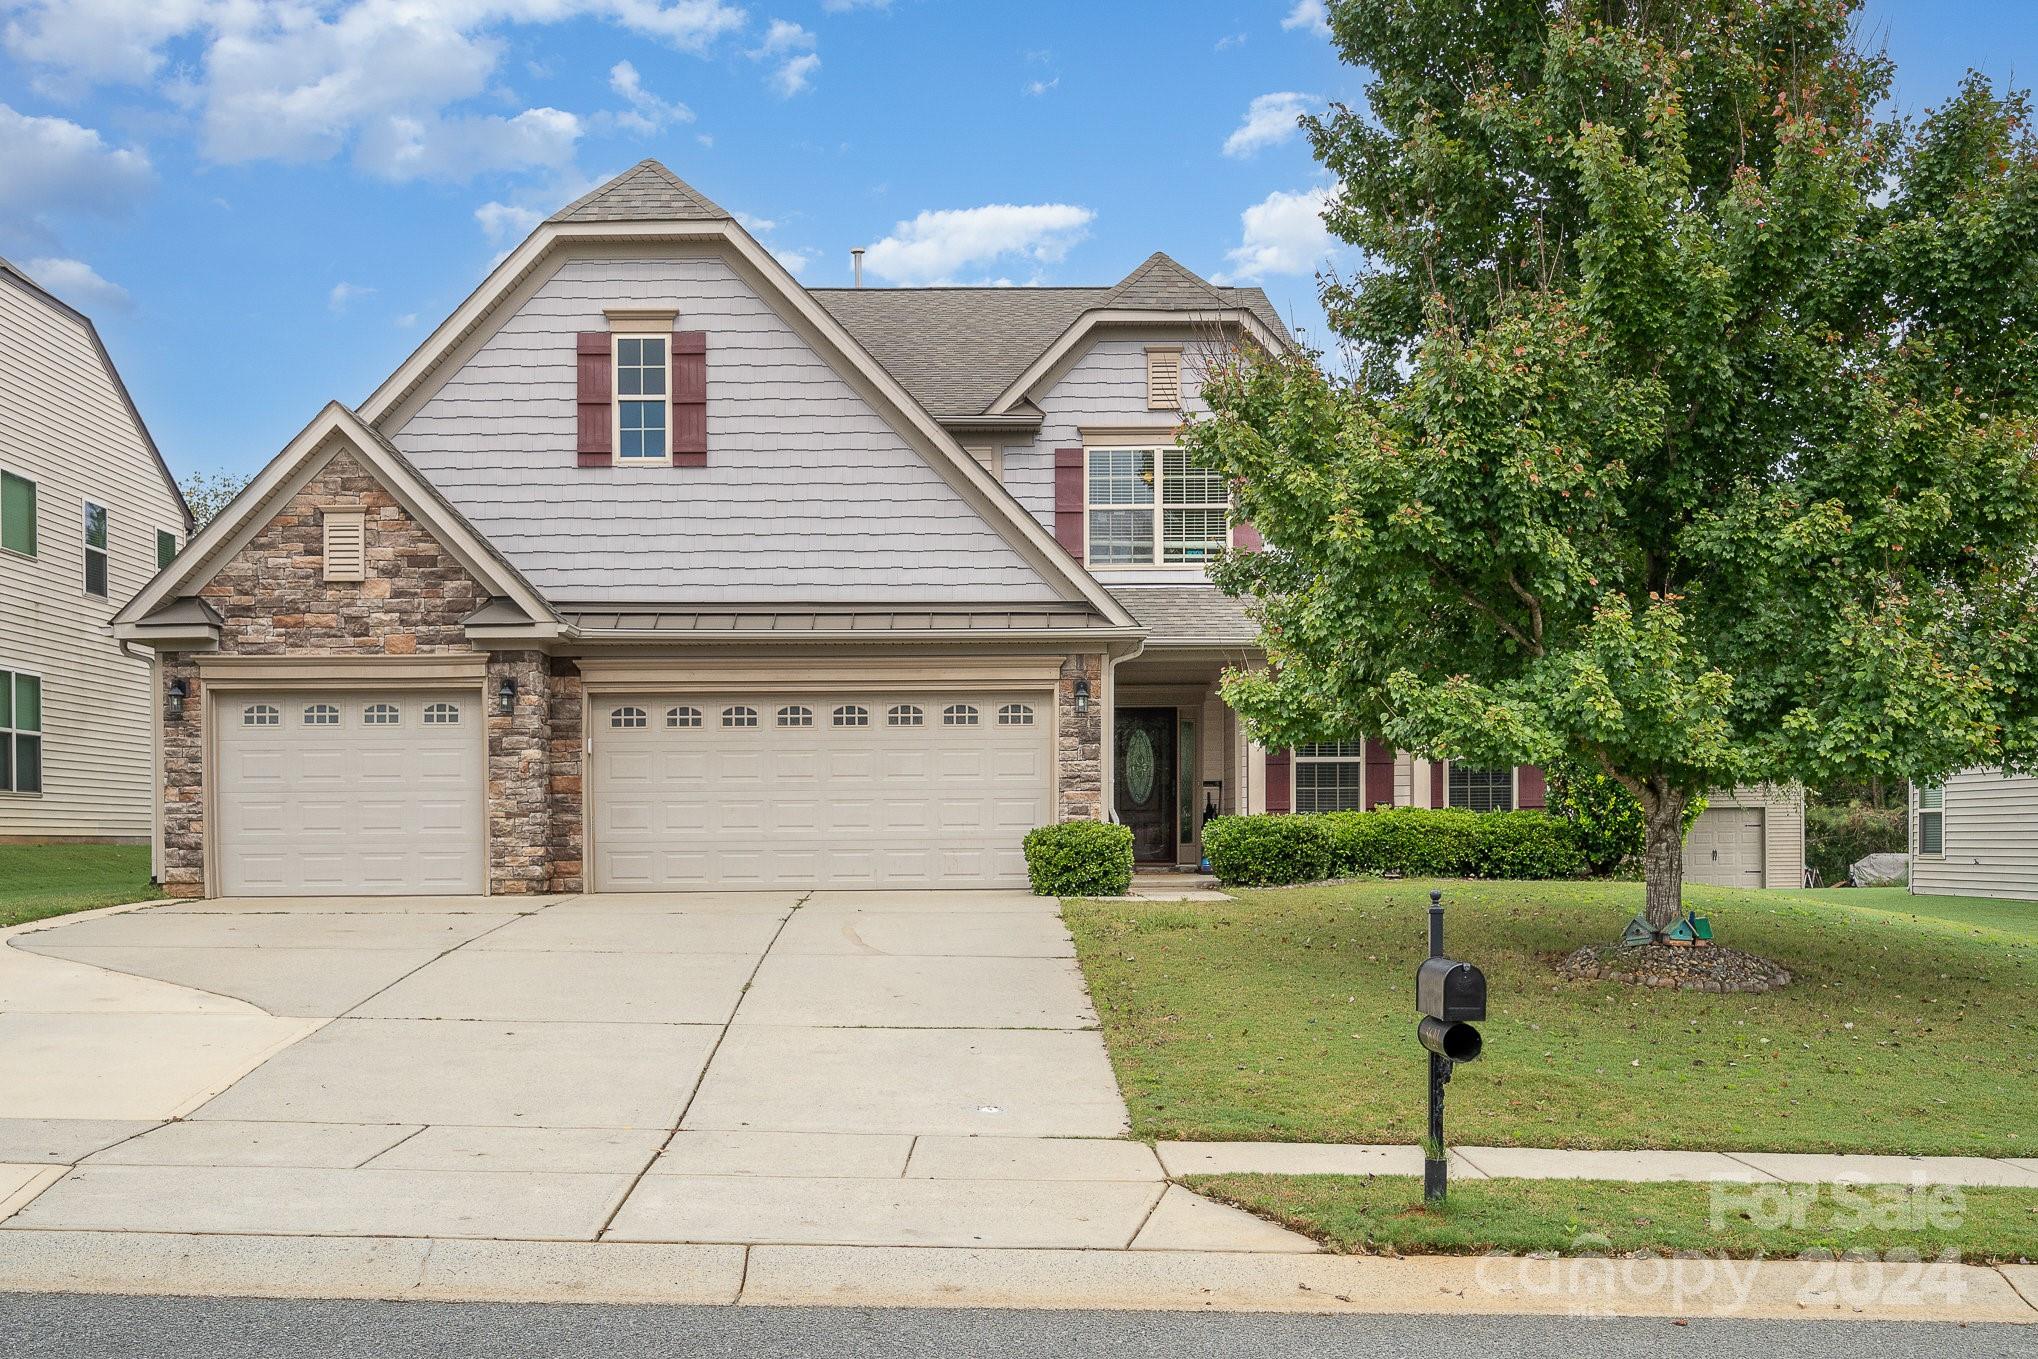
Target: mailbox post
<point>1450,995</point>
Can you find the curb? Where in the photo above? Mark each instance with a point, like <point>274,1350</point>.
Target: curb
<point>421,1269</point>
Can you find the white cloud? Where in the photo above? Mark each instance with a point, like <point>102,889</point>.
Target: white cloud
<point>934,246</point>
<point>1308,14</point>
<point>647,109</point>
<point>53,166</point>
<point>795,261</point>
<point>1036,88</point>
<point>1283,234</point>
<point>1269,120</point>
<point>300,80</point>
<point>407,320</point>
<point>77,282</point>
<point>755,225</point>
<point>499,220</point>
<point>1230,40</point>
<point>344,295</point>
<point>844,6</point>
<point>793,48</point>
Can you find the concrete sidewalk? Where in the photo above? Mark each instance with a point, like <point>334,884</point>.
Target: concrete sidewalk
<point>1539,1163</point>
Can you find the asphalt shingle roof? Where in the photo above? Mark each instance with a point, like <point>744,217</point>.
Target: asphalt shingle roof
<point>1188,613</point>
<point>646,192</point>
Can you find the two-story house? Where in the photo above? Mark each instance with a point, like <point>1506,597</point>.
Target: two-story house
<point>88,512</point>
<point>652,568</point>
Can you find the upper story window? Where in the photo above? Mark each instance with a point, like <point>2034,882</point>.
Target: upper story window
<point>1931,819</point>
<point>641,398</point>
<point>1480,790</point>
<point>1152,506</point>
<point>95,550</point>
<point>20,733</point>
<point>17,514</point>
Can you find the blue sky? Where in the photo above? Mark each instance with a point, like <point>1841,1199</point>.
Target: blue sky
<point>266,203</point>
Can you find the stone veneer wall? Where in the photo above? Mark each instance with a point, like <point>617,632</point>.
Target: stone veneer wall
<point>1079,741</point>
<point>569,746</point>
<point>273,600</point>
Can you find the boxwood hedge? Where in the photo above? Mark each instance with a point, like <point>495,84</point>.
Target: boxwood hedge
<point>1266,851</point>
<point>1079,859</point>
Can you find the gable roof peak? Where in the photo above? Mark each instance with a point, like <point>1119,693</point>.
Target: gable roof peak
<point>1163,283</point>
<point>646,192</point>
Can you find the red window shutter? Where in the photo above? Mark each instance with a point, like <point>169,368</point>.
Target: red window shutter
<point>1279,799</point>
<point>1068,500</point>
<point>1379,773</point>
<point>1533,790</point>
<point>1245,537</point>
<point>595,446</point>
<point>689,398</point>
<point>1437,797</point>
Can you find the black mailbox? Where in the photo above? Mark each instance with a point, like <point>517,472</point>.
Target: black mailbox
<point>1450,990</point>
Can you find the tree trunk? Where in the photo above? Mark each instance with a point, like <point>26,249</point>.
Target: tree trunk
<point>1663,855</point>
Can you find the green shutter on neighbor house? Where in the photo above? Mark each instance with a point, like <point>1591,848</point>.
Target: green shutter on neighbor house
<point>17,514</point>
<point>27,703</point>
<point>166,548</point>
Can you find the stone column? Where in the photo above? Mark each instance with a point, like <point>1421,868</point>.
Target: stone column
<point>566,860</point>
<point>519,775</point>
<point>1079,741</point>
<point>183,773</point>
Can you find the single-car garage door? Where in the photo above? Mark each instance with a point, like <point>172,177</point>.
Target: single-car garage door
<point>349,792</point>
<point>1724,848</point>
<point>840,790</point>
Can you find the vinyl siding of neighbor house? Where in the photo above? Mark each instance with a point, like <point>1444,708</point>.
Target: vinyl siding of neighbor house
<point>1106,386</point>
<point>1991,839</point>
<point>65,426</point>
<point>808,493</point>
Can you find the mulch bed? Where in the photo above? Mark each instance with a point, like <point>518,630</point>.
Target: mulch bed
<point>1715,968</point>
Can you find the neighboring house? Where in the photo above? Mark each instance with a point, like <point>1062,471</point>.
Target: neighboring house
<point>88,512</point>
<point>653,569</point>
<point>1976,835</point>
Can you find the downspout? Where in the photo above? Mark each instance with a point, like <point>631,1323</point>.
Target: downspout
<point>1107,744</point>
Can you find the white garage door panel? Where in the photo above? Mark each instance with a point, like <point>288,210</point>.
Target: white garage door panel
<point>880,805</point>
<point>1724,848</point>
<point>311,808</point>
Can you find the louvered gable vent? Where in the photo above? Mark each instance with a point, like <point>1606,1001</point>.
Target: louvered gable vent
<point>1164,379</point>
<point>346,545</point>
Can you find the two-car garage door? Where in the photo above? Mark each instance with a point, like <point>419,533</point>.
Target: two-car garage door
<point>842,790</point>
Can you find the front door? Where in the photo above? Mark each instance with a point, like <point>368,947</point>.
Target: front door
<point>1143,788</point>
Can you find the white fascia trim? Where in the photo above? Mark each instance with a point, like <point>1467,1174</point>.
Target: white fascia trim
<point>993,500</point>
<point>288,471</point>
<point>1080,329</point>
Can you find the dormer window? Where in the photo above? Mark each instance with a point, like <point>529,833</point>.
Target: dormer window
<point>642,428</point>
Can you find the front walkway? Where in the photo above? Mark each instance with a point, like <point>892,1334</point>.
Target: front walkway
<point>835,1068</point>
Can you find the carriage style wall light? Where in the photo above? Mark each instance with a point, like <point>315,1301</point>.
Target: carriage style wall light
<point>173,706</point>
<point>506,696</point>
<point>1082,695</point>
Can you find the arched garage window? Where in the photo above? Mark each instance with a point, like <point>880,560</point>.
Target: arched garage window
<point>628,717</point>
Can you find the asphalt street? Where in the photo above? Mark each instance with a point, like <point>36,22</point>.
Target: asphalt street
<point>69,1326</point>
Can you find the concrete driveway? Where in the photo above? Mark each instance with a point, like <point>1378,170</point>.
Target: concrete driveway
<point>832,1068</point>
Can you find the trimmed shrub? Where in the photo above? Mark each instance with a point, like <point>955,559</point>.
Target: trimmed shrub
<point>1079,859</point>
<point>1837,838</point>
<point>1605,817</point>
<point>1265,851</point>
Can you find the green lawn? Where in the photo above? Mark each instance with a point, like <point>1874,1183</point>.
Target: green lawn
<point>38,881</point>
<point>1375,1214</point>
<point>1289,1015</point>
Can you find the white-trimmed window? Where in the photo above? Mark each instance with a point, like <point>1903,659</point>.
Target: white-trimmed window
<point>629,718</point>
<point>905,715</point>
<point>643,398</point>
<point>1164,377</point>
<point>741,715</point>
<point>321,715</point>
<point>683,716</point>
<point>381,715</point>
<point>261,715</point>
<point>959,715</point>
<point>851,715</point>
<point>1330,776</point>
<point>96,540</point>
<point>1931,820</point>
<point>442,714</point>
<point>1479,790</point>
<point>796,715</point>
<point>1015,715</point>
<point>1148,506</point>
<point>20,732</point>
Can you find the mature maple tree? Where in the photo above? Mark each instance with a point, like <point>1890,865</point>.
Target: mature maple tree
<point>1686,424</point>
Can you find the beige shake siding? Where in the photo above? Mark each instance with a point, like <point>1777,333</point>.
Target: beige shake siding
<point>1991,839</point>
<point>65,425</point>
